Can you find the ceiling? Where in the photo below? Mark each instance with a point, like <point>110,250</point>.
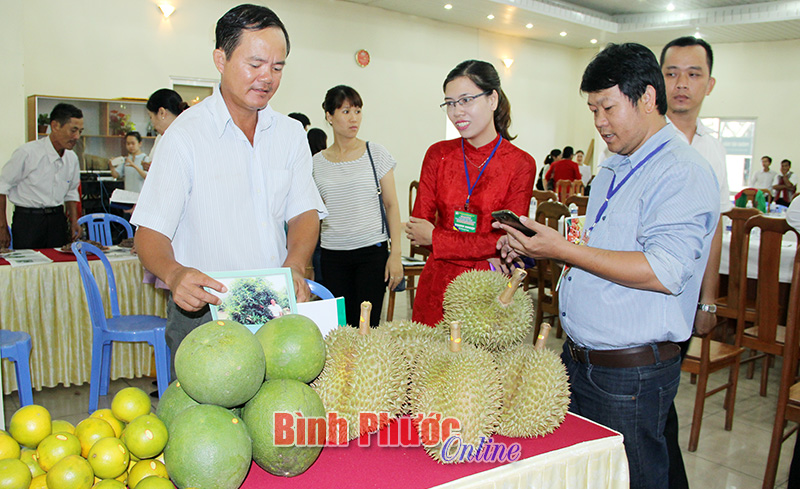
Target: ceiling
<point>644,21</point>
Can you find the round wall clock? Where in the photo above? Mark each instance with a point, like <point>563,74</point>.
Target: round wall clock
<point>362,58</point>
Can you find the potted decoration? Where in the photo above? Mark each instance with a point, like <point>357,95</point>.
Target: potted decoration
<point>119,123</point>
<point>42,122</point>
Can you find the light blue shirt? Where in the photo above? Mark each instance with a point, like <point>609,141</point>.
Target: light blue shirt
<point>668,210</point>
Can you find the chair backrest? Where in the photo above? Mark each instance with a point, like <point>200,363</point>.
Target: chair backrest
<point>99,227</point>
<point>93,296</point>
<point>544,196</point>
<point>578,187</point>
<point>563,189</point>
<point>769,262</point>
<point>319,290</point>
<point>738,216</point>
<point>580,200</point>
<point>413,189</point>
<point>548,213</point>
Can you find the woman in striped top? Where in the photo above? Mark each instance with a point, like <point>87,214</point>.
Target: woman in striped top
<point>364,217</point>
<point>462,181</point>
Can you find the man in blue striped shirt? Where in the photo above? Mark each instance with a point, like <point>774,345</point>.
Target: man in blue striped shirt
<point>630,290</point>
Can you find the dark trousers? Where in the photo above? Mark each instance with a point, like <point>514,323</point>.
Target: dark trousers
<point>677,471</point>
<point>32,228</point>
<point>179,324</point>
<point>633,401</point>
<point>357,275</point>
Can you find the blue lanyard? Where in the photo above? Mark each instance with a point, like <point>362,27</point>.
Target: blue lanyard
<point>612,190</point>
<point>471,186</point>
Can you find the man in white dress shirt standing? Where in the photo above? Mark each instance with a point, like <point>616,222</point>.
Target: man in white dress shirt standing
<point>40,179</point>
<point>233,174</point>
<point>686,63</point>
<point>765,178</point>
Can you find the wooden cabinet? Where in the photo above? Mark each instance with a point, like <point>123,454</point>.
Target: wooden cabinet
<point>104,126</point>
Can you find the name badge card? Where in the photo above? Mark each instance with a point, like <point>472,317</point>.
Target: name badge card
<point>466,222</point>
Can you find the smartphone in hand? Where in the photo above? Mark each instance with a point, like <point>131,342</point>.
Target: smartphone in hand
<point>508,218</point>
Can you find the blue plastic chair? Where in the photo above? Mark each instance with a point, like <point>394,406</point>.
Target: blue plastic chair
<point>16,346</point>
<point>116,328</point>
<point>11,237</point>
<point>99,227</point>
<point>319,290</point>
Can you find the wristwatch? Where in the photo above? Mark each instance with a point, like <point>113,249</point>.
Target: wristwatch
<point>710,308</point>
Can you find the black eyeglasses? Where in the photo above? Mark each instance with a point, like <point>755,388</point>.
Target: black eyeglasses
<point>463,101</point>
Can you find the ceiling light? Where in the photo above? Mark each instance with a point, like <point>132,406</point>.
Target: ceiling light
<point>508,62</point>
<point>490,16</point>
<point>166,9</point>
<point>670,7</point>
<point>529,26</point>
<point>593,41</point>
<point>563,34</point>
<point>448,6</point>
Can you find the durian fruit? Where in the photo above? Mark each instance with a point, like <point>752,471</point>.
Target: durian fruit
<point>494,312</point>
<point>535,389</point>
<point>365,372</point>
<point>459,381</point>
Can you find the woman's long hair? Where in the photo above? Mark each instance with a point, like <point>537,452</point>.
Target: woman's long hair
<point>486,78</point>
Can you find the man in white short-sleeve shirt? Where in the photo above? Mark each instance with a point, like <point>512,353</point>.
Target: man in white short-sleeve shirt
<point>686,63</point>
<point>232,174</point>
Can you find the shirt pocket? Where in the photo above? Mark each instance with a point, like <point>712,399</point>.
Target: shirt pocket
<point>277,185</point>
<point>621,231</point>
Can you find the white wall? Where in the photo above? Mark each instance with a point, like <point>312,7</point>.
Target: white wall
<point>109,49</point>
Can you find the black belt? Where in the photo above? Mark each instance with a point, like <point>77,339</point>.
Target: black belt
<point>637,356</point>
<point>40,210</point>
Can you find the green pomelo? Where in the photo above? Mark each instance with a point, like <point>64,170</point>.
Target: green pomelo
<point>293,347</point>
<point>284,396</point>
<point>208,448</point>
<point>220,362</point>
<point>173,402</point>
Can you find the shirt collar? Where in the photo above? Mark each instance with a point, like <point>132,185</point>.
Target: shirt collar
<point>50,150</point>
<point>223,120</point>
<point>619,161</point>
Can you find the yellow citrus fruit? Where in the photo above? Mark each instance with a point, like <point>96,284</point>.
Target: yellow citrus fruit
<point>146,468</point>
<point>145,436</point>
<point>130,403</point>
<point>29,458</point>
<point>30,425</point>
<point>61,426</point>
<point>9,448</point>
<point>55,447</point>
<point>108,417</point>
<point>109,458</point>
<point>109,484</point>
<point>72,472</point>
<point>90,430</point>
<point>14,474</point>
<point>39,482</point>
<point>155,483</point>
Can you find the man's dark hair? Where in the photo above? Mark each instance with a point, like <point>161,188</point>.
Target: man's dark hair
<point>304,120</point>
<point>769,158</point>
<point>62,113</point>
<point>567,153</point>
<point>687,41</point>
<point>245,16</point>
<point>787,162</point>
<point>631,67</point>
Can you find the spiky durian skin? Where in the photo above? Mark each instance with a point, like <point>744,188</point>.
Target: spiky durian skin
<point>472,299</point>
<point>535,391</point>
<point>464,385</point>
<point>362,374</point>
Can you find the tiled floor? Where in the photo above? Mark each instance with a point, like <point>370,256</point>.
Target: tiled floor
<point>724,459</point>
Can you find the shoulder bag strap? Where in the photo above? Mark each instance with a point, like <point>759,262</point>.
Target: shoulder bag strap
<point>384,223</point>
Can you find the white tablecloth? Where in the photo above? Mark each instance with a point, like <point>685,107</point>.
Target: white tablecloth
<point>787,255</point>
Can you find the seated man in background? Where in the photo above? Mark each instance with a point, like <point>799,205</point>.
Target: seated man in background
<point>42,177</point>
<point>765,178</point>
<point>785,184</point>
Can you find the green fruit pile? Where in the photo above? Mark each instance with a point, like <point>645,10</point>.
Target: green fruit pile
<point>112,448</point>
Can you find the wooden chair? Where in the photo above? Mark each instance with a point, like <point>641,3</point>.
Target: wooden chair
<point>751,194</point>
<point>411,272</point>
<point>706,356</point>
<point>727,305</point>
<point>789,392</point>
<point>548,271</point>
<point>544,196</point>
<point>766,335</point>
<point>580,200</point>
<point>563,189</point>
<point>578,187</point>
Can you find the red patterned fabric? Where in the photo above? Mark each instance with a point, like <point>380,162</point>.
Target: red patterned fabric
<point>411,467</point>
<point>506,183</point>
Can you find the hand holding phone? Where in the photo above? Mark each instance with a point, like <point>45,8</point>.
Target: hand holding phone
<point>508,218</point>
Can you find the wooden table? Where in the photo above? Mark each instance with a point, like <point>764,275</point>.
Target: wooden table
<point>48,302</point>
<point>579,454</point>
